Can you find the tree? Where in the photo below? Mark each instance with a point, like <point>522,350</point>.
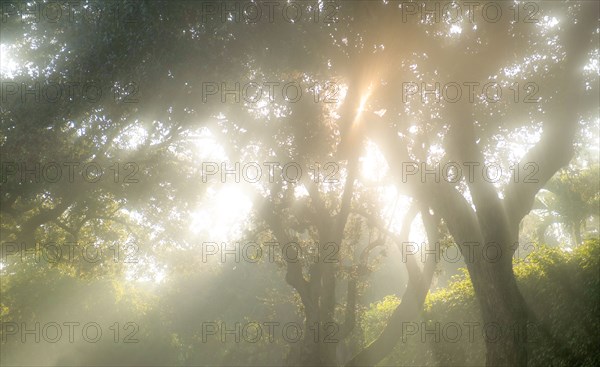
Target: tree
<point>570,199</point>
<point>171,87</point>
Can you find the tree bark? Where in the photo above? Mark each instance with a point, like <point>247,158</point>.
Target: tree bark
<point>502,309</point>
<point>412,300</point>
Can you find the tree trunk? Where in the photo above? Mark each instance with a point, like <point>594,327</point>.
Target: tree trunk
<point>407,311</point>
<point>413,298</point>
<point>503,309</point>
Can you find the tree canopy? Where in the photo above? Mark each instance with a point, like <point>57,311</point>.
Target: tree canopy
<point>314,183</point>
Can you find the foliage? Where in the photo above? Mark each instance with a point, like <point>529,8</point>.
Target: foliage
<point>166,131</point>
<point>562,289</point>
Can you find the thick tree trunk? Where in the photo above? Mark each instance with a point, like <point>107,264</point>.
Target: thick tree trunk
<point>321,334</point>
<point>503,312</point>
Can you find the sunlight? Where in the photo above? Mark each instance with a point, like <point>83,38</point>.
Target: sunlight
<point>132,138</point>
<point>207,146</point>
<point>455,29</point>
<point>593,65</point>
<point>549,22</point>
<point>300,192</point>
<point>152,272</point>
<point>8,65</point>
<point>258,183</point>
<point>522,142</point>
<point>363,102</point>
<point>394,209</point>
<point>374,167</point>
<point>222,215</point>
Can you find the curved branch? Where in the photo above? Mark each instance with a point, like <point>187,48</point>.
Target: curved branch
<point>412,299</point>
